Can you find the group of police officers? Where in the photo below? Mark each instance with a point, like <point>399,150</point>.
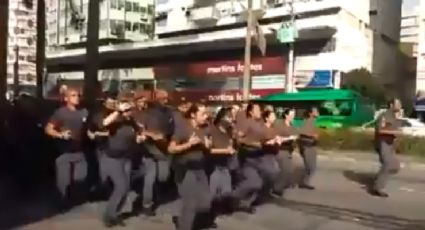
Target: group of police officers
<point>233,157</point>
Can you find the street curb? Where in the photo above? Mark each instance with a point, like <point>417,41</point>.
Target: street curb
<point>406,163</point>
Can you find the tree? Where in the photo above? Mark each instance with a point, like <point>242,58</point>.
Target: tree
<point>362,81</point>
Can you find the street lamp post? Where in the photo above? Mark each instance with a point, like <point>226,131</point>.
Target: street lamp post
<point>291,56</point>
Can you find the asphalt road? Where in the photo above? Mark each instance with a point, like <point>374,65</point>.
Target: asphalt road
<point>339,202</point>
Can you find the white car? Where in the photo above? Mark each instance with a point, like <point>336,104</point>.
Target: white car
<point>409,127</point>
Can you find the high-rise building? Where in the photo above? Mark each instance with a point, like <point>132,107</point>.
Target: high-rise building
<point>412,38</point>
<point>199,46</point>
<point>22,42</point>
<point>120,21</point>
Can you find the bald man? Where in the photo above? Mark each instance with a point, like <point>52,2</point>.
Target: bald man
<point>66,126</point>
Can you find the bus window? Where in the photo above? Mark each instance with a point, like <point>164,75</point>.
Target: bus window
<point>336,108</point>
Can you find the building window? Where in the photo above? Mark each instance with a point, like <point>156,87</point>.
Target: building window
<point>117,28</point>
<point>161,2</point>
<point>121,4</point>
<point>136,27</point>
<point>150,9</point>
<point>143,28</point>
<point>162,22</point>
<point>114,4</point>
<point>149,29</point>
<point>136,7</point>
<point>103,24</point>
<point>128,26</point>
<point>143,10</point>
<point>128,6</point>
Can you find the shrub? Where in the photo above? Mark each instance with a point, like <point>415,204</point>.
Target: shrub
<point>346,139</point>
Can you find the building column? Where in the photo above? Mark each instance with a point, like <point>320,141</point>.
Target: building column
<point>4,28</point>
<point>41,46</point>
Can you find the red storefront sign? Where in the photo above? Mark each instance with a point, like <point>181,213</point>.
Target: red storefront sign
<point>227,68</point>
<point>219,96</point>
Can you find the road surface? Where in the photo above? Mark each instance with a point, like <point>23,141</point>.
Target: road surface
<point>339,202</point>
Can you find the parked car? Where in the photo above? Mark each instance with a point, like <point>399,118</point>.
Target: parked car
<point>409,127</point>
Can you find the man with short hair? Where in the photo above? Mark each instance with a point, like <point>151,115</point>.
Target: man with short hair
<point>99,133</point>
<point>67,127</point>
<point>158,126</point>
<point>386,131</point>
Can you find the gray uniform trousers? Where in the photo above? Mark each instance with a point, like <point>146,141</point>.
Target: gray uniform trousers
<point>309,155</point>
<point>256,171</point>
<point>155,170</point>
<point>220,182</point>
<point>284,160</point>
<point>389,165</point>
<point>118,170</point>
<point>195,195</point>
<point>70,167</point>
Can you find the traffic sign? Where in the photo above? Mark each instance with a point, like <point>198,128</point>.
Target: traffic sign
<point>287,33</point>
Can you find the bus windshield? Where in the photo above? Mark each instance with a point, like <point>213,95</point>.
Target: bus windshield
<point>326,108</point>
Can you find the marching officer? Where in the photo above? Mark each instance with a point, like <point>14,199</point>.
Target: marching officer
<point>307,144</point>
<point>123,136</point>
<point>386,131</point>
<point>66,125</point>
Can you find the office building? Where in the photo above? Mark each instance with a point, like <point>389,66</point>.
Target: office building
<point>119,21</point>
<point>199,46</point>
<point>22,43</point>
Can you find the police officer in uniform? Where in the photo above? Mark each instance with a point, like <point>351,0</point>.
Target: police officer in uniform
<point>254,166</point>
<point>288,133</point>
<point>188,145</point>
<point>98,133</point>
<point>307,144</point>
<point>66,125</point>
<point>220,159</point>
<point>387,127</point>
<point>158,125</point>
<point>123,136</point>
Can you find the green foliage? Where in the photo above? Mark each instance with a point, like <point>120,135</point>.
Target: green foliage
<point>346,139</point>
<point>362,81</point>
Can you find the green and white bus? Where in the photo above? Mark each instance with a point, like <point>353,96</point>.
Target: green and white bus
<point>337,108</point>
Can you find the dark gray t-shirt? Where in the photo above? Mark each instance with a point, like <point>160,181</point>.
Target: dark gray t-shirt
<point>389,121</point>
<point>195,155</point>
<point>122,138</point>
<point>65,119</point>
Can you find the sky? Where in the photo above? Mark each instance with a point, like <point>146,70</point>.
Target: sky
<point>410,5</point>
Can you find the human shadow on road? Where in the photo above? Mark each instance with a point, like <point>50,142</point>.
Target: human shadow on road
<point>366,180</point>
<point>367,219</point>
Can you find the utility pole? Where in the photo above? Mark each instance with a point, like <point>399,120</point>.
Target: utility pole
<point>289,86</point>
<point>247,61</point>
<point>4,31</point>
<point>92,55</point>
<point>41,46</point>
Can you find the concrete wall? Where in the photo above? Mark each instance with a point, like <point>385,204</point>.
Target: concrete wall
<point>179,12</point>
<point>386,17</point>
<point>385,21</point>
<point>351,34</point>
